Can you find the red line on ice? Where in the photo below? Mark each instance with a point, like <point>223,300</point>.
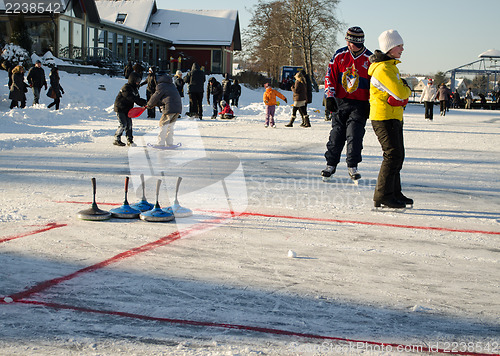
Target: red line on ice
<point>121,256</point>
<point>355,222</point>
<point>47,227</point>
<point>369,223</point>
<point>406,348</point>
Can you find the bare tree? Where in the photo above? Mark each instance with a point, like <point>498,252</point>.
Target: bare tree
<point>266,38</point>
<point>292,32</point>
<point>314,23</point>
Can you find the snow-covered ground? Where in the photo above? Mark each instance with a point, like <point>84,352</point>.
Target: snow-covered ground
<point>221,281</point>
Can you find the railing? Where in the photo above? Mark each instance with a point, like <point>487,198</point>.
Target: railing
<point>99,56</point>
<point>92,53</point>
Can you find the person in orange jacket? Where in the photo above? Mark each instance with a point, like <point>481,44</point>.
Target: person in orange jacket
<point>270,100</point>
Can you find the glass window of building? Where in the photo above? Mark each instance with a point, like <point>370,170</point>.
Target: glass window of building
<point>64,39</point>
<point>217,61</point>
<point>110,41</point>
<point>129,49</point>
<point>120,18</point>
<point>120,50</point>
<point>91,42</point>
<point>136,49</point>
<point>77,40</point>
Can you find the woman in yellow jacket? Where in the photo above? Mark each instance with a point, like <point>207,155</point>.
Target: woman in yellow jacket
<point>388,96</point>
<point>270,100</point>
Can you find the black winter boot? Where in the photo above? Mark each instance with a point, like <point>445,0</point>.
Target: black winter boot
<point>290,124</point>
<point>307,123</point>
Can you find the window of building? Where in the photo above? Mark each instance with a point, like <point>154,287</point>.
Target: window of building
<point>77,40</point>
<point>120,18</point>
<point>120,49</point>
<point>217,61</point>
<point>136,49</point>
<point>64,39</point>
<point>101,34</point>
<point>109,45</point>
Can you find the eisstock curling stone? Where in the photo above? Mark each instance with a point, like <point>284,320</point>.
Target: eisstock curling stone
<point>157,214</point>
<point>176,209</point>
<point>143,205</point>
<point>125,211</point>
<point>94,213</point>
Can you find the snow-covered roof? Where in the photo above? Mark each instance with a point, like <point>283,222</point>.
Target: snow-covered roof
<point>491,53</point>
<point>196,27</point>
<point>131,13</point>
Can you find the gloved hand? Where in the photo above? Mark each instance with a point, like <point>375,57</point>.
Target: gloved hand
<point>331,105</point>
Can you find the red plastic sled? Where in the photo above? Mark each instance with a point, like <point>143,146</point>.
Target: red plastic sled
<point>136,112</point>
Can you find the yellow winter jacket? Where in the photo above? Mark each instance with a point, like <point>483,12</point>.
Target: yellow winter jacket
<point>385,81</point>
<point>270,96</point>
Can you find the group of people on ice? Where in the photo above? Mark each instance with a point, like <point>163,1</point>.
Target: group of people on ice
<point>359,85</point>
<point>18,87</point>
<point>166,92</point>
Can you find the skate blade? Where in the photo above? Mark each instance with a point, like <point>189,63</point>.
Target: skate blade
<point>386,209</point>
<point>326,179</point>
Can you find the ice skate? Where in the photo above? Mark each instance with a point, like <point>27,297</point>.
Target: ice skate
<point>327,173</point>
<point>391,203</point>
<point>354,174</point>
<point>407,201</point>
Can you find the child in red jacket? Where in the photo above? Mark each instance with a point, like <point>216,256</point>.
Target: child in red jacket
<point>226,112</point>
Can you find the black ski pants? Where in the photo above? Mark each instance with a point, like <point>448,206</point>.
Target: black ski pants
<point>197,104</point>
<point>348,126</point>
<point>429,110</point>
<point>390,136</point>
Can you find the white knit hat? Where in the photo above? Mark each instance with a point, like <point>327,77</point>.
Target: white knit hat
<point>389,39</point>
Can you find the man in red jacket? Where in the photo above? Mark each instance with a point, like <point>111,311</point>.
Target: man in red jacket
<point>347,91</point>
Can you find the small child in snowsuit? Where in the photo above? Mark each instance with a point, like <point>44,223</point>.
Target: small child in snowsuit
<point>227,112</point>
<point>270,100</point>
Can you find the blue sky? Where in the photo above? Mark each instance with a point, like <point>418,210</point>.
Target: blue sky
<point>438,34</point>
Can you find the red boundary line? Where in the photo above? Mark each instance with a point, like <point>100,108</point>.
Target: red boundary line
<point>132,252</point>
<point>18,297</point>
<point>48,227</point>
<point>246,328</point>
<point>355,222</point>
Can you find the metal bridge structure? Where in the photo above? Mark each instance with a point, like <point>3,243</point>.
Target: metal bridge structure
<point>487,65</point>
